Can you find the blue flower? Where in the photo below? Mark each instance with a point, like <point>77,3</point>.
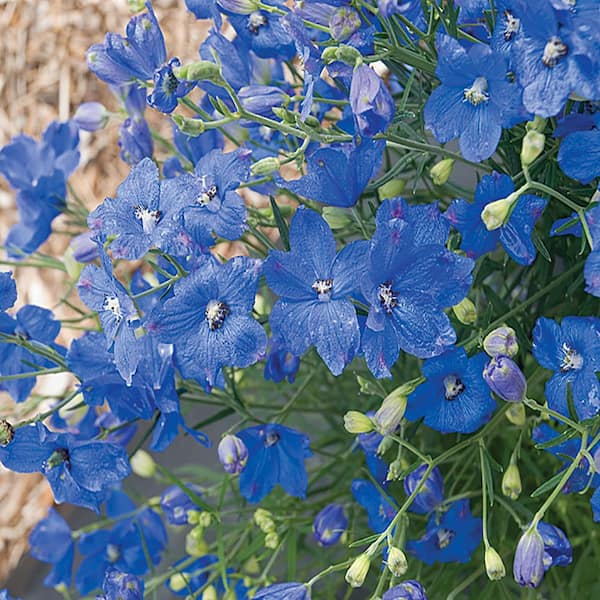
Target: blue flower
<point>338,174</point>
<point>281,363</point>
<point>407,590</point>
<point>121,586</point>
<point>330,524</point>
<point>411,278</point>
<point>474,101</point>
<point>167,88</point>
<point>51,542</point>
<point>176,504</point>
<point>264,34</point>
<point>528,566</point>
<point>514,235</point>
<point>135,140</point>
<point>572,351</point>
<point>557,548</point>
<point>369,444</point>
<point>579,153</point>
<point>194,575</point>
<point>4,595</point>
<point>209,321</point>
<point>142,215</point>
<point>455,397</point>
<point>314,284</point>
<point>431,494</point>
<point>276,455</point>
<point>371,102</point>
<point>191,148</point>
<point>101,292</point>
<point>452,538</point>
<point>379,510</point>
<point>284,591</point>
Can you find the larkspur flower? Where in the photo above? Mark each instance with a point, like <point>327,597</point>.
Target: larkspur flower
<point>579,153</point>
<point>121,586</point>
<point>557,548</point>
<point>505,379</point>
<point>514,234</point>
<point>284,591</point>
<point>380,511</point>
<point>371,102</point>
<point>330,525</point>
<point>452,538</point>
<point>572,351</point>
<point>454,397</point>
<point>407,590</point>
<point>431,494</point>
<point>209,322</point>
<point>314,284</point>
<point>281,364</point>
<point>176,504</point>
<point>528,566</point>
<point>264,34</point>
<point>276,455</point>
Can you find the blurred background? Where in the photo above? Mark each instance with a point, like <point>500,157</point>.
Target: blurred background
<point>43,76</point>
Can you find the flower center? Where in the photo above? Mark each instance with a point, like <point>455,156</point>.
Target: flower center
<point>271,438</point>
<point>387,297</point>
<point>216,313</point>
<point>149,218</point>
<point>58,457</point>
<point>323,288</point>
<point>112,553</point>
<point>553,50</point>
<point>111,303</point>
<point>256,20</point>
<point>477,93</point>
<point>444,537</point>
<point>572,360</point>
<point>453,386</point>
<point>207,195</point>
<point>511,25</point>
<point>170,83</point>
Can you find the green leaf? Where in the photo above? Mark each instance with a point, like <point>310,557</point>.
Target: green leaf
<point>547,485</point>
<point>281,223</point>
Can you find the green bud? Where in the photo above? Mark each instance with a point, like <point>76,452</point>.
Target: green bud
<point>264,520</point>
<point>344,53</point>
<point>285,115</point>
<point>538,124</point>
<point>357,422</point>
<point>516,414</point>
<point>390,413</point>
<point>441,171</point>
<point>193,516</point>
<point>201,70</point>
<point>251,566</point>
<point>394,470</point>
<point>384,445</point>
<point>337,218</point>
<point>72,266</point>
<point>136,5</point>
<point>465,311</point>
<point>142,464</point>
<point>178,582</point>
<point>357,573</point>
<point>495,214</point>
<point>204,519</point>
<point>391,189</point>
<point>194,542</point>
<point>271,540</point>
<point>210,593</point>
<point>264,166</point>
<point>396,561</point>
<point>7,432</point>
<point>502,340</point>
<point>192,127</point>
<point>533,146</point>
<point>493,564</point>
<point>511,482</point>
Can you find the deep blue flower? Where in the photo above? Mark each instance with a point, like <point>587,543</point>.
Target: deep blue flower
<point>338,174</point>
<point>507,28</point>
<point>557,548</point>
<point>379,509</point>
<point>284,591</point>
<point>135,140</point>
<point>264,34</point>
<point>371,102</point>
<point>579,153</point>
<point>276,455</point>
<point>167,88</point>
<point>455,397</point>
<point>369,443</point>
<point>528,566</point>
<point>474,101</point>
<point>407,590</point>
<point>451,538</point>
<point>176,504</point>
<point>121,586</point>
<point>514,235</point>
<point>314,284</point>
<point>101,292</point>
<point>572,351</point>
<point>4,595</point>
<point>204,9</point>
<point>193,576</point>
<point>411,278</point>
<point>209,320</point>
<point>51,542</point>
<point>330,524</point>
<point>431,494</point>
<point>281,363</point>
<point>142,214</point>
<point>8,290</point>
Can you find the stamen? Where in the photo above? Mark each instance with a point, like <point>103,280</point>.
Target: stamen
<point>149,218</point>
<point>271,438</point>
<point>207,195</point>
<point>511,25</point>
<point>454,387</point>
<point>256,20</point>
<point>323,288</point>
<point>477,93</point>
<point>572,360</point>
<point>444,537</point>
<point>387,297</point>
<point>112,304</point>
<point>553,50</point>
<point>216,312</point>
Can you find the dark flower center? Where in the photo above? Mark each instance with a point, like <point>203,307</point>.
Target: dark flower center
<point>256,20</point>
<point>572,360</point>
<point>387,297</point>
<point>444,537</point>
<point>271,438</point>
<point>58,457</point>
<point>511,25</point>
<point>111,304</point>
<point>323,288</point>
<point>149,218</point>
<point>216,312</point>
<point>207,195</point>
<point>170,83</point>
<point>553,51</point>
<point>453,387</point>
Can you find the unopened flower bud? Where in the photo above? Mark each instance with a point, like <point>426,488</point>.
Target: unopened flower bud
<point>265,166</point>
<point>239,7</point>
<point>204,519</point>
<point>493,564</point>
<point>528,567</point>
<point>391,189</point>
<point>194,542</point>
<point>505,379</point>
<point>394,470</point>
<point>91,116</point>
<point>357,422</point>
<point>347,54</point>
<point>330,524</point>
<point>7,432</point>
<point>538,124</point>
<point>516,414</point>
<point>191,127</point>
<point>441,171</point>
<point>142,464</point>
<point>496,213</point>
<point>264,520</point>
<point>233,454</point>
<point>201,70</point>
<point>465,311</point>
<point>390,413</point>
<point>343,22</point>
<point>511,482</point>
<point>533,146</point>
<point>271,540</point>
<point>385,444</point>
<point>210,593</point>
<point>396,561</point>
<point>357,572</point>
<point>336,218</point>
<point>178,582</point>
<point>501,341</point>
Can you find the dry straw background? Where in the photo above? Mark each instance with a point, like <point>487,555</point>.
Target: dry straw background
<point>43,76</point>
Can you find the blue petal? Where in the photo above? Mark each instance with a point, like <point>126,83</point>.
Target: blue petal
<point>579,155</point>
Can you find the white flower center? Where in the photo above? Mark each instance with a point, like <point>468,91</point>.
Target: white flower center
<point>511,25</point>
<point>387,297</point>
<point>149,218</point>
<point>553,50</point>
<point>323,288</point>
<point>477,93</point>
<point>216,312</point>
<point>256,20</point>
<point>572,360</point>
<point>111,303</point>
<point>453,386</point>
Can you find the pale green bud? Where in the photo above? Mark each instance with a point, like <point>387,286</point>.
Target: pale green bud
<point>344,53</point>
<point>193,516</point>
<point>194,542</point>
<point>264,520</point>
<point>394,470</point>
<point>178,582</point>
<point>441,171</point>
<point>390,413</point>
<point>501,341</point>
<point>357,572</point>
<point>191,127</point>
<point>210,593</point>
<point>357,422</point>
<point>264,166</point>
<point>533,146</point>
<point>271,540</point>
<point>200,70</point>
<point>495,214</point>
<point>494,566</point>
<point>538,124</point>
<point>136,5</point>
<point>204,519</point>
<point>384,445</point>
<point>72,266</point>
<point>516,414</point>
<point>396,561</point>
<point>465,311</point>
<point>142,464</point>
<point>391,189</point>
<point>337,218</point>
<point>511,482</point>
